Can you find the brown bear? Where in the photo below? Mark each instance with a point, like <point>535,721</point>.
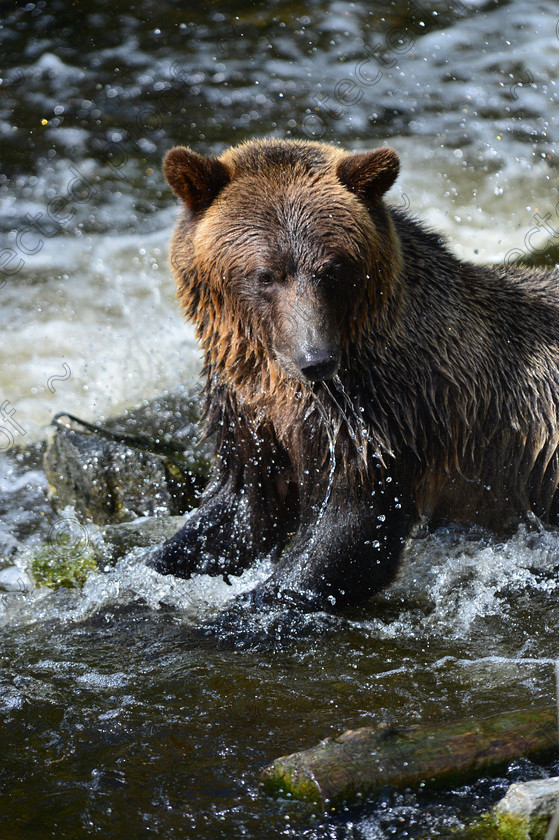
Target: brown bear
<point>359,377</point>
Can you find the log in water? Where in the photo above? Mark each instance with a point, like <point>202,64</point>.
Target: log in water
<point>364,761</point>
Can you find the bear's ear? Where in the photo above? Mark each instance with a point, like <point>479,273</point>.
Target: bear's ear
<point>196,179</point>
<point>369,174</point>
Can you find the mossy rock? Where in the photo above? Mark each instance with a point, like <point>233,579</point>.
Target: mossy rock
<point>482,829</point>
<point>516,828</point>
<point>150,461</point>
<point>112,542</point>
<point>63,564</point>
<point>524,813</point>
<point>73,551</point>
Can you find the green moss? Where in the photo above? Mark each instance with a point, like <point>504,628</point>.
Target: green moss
<point>483,829</point>
<point>503,827</point>
<point>516,828</point>
<point>56,567</point>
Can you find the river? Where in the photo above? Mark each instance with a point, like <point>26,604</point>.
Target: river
<point>116,720</point>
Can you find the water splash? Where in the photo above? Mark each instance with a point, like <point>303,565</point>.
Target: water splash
<point>361,434</point>
<point>128,583</point>
<point>357,433</point>
<point>331,451</point>
<point>359,420</point>
<point>462,587</point>
<point>350,429</point>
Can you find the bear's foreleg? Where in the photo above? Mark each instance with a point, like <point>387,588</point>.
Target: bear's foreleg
<point>224,536</point>
<point>352,552</point>
<point>245,514</point>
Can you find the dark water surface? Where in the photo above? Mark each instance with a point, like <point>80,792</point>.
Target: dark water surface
<point>117,719</point>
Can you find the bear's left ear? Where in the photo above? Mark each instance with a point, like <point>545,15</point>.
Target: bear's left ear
<point>196,179</point>
<point>369,174</point>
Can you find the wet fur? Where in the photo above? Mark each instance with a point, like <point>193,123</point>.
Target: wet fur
<point>446,406</point>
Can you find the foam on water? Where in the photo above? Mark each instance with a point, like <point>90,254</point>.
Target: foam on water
<point>451,587</point>
<point>97,318</point>
<point>463,587</point>
<point>129,582</point>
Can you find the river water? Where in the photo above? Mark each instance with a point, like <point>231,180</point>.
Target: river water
<point>117,720</point>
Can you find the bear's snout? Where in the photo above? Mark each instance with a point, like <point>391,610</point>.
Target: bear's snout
<point>318,363</point>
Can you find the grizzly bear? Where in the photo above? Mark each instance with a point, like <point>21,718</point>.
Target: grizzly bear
<point>359,377</point>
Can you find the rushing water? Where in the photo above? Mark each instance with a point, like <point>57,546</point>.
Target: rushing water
<point>117,719</point>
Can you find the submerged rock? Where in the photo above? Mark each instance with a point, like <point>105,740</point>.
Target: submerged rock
<point>150,461</point>
<point>74,551</point>
<point>54,567</point>
<point>112,542</point>
<point>524,813</point>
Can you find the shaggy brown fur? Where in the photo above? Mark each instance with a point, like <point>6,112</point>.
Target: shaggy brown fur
<point>358,375</point>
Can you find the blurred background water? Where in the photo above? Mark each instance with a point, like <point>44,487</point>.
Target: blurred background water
<point>114,722</point>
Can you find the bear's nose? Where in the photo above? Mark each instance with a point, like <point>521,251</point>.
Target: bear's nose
<point>318,364</point>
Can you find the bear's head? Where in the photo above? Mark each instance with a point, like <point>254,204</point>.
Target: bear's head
<point>284,256</point>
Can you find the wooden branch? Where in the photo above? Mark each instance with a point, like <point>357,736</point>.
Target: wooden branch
<point>364,761</point>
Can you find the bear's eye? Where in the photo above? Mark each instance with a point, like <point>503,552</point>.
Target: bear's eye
<point>264,277</point>
<point>333,273</point>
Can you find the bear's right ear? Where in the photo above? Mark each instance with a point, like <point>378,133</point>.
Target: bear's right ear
<point>196,179</point>
<point>369,174</point>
